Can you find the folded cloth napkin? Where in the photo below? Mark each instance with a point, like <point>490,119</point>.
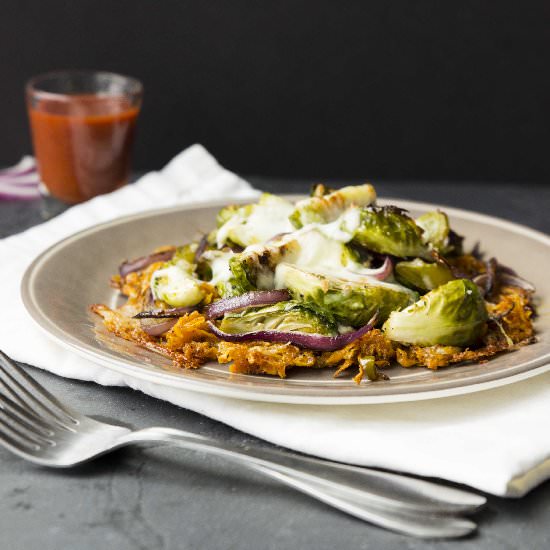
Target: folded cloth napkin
<point>497,441</point>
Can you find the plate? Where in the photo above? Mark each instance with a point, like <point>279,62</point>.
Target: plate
<point>60,284</point>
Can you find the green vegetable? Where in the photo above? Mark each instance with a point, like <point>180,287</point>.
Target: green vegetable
<point>436,228</point>
<point>421,275</point>
<point>453,314</point>
<point>185,252</point>
<point>285,316</point>
<point>388,230</point>
<point>253,223</point>
<point>248,273</point>
<point>368,364</point>
<point>325,208</point>
<point>175,284</point>
<point>254,268</point>
<point>228,212</point>
<point>351,301</point>
<point>215,266</point>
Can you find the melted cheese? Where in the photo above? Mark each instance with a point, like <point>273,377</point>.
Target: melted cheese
<point>175,286</point>
<point>268,218</point>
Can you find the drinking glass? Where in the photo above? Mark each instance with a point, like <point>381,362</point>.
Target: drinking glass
<point>83,126</point>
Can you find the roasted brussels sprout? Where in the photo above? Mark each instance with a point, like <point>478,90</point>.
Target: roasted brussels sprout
<point>288,316</point>
<point>216,266</point>
<point>326,208</point>
<point>186,252</point>
<point>351,301</point>
<point>421,275</point>
<point>388,230</point>
<point>254,223</point>
<point>254,268</point>
<point>436,231</point>
<point>175,284</point>
<point>453,314</point>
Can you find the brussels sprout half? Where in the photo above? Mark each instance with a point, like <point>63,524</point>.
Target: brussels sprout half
<point>288,316</point>
<point>175,284</point>
<point>326,208</point>
<point>421,275</point>
<point>453,314</point>
<point>351,302</point>
<point>388,230</point>
<point>310,248</point>
<point>254,223</point>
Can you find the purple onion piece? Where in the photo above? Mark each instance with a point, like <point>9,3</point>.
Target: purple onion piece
<point>250,299</point>
<point>385,270</point>
<point>27,165</point>
<point>171,313</point>
<point>27,195</point>
<point>203,243</point>
<point>149,298</point>
<point>491,272</point>
<point>514,280</point>
<point>504,279</point>
<point>157,327</point>
<point>32,180</point>
<point>141,263</point>
<point>316,342</point>
<point>15,191</point>
<point>481,282</point>
<point>505,269</point>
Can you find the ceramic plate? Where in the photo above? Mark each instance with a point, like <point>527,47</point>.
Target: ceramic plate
<point>61,283</point>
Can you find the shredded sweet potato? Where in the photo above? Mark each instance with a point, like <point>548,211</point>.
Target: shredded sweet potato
<point>190,343</point>
<point>264,357</point>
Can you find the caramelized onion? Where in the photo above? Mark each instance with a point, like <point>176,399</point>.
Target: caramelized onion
<point>514,280</point>
<point>157,327</point>
<point>316,342</point>
<point>164,313</point>
<point>384,271</point>
<point>250,299</point>
<point>141,263</point>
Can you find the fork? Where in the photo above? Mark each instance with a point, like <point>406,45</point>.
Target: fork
<point>38,427</point>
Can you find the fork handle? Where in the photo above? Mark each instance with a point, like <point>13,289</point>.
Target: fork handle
<point>393,501</point>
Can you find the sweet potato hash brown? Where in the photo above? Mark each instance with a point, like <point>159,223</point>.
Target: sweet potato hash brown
<point>260,299</point>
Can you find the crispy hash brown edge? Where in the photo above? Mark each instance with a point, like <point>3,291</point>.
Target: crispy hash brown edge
<point>190,344</point>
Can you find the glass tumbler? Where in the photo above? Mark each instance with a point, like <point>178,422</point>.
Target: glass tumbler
<point>83,126</point>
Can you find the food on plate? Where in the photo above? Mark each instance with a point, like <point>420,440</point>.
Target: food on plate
<point>331,281</point>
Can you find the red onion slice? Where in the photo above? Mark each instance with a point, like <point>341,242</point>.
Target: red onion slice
<point>31,180</point>
<point>316,342</point>
<point>26,165</point>
<point>141,263</point>
<point>255,298</point>
<point>10,191</point>
<point>157,327</point>
<point>164,313</point>
<point>514,280</point>
<point>384,271</point>
<point>20,181</point>
<point>203,243</point>
<point>503,278</point>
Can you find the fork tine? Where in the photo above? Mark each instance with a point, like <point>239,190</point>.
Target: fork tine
<point>16,446</point>
<point>10,387</point>
<point>23,430</point>
<point>18,436</point>
<point>26,416</point>
<point>31,394</point>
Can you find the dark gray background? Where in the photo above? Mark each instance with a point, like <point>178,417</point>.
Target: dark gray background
<point>360,89</point>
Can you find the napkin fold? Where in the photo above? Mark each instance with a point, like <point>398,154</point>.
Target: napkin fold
<point>497,440</point>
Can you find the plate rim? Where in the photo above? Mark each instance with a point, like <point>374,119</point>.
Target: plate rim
<point>248,393</point>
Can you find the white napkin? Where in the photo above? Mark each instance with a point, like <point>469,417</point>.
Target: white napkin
<point>497,441</point>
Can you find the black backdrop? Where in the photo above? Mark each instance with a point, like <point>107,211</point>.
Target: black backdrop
<point>381,89</point>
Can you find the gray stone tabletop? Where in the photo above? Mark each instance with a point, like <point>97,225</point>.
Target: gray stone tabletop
<point>162,498</point>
